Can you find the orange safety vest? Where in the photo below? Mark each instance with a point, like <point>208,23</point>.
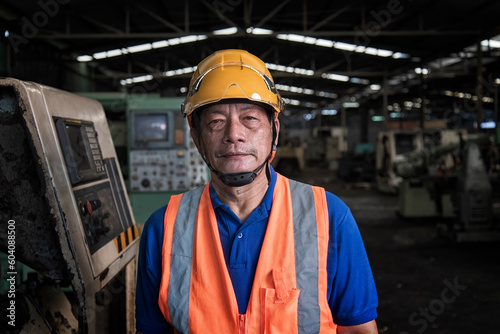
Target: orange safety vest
<point>289,292</point>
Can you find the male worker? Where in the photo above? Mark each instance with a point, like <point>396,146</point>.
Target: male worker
<point>252,251</point>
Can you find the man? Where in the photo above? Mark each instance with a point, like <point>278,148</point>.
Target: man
<point>252,251</point>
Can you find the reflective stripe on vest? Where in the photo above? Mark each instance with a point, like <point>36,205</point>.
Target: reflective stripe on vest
<point>289,290</point>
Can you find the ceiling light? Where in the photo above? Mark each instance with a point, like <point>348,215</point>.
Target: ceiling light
<point>378,118</point>
<point>84,58</point>
<point>180,71</point>
<point>310,40</point>
<point>289,69</point>
<point>159,44</point>
<point>359,81</point>
<point>139,48</point>
<point>114,53</point>
<point>491,43</point>
<point>400,55</point>
<point>345,46</point>
<point>259,31</point>
<point>384,53</point>
<point>328,112</point>
<point>226,31</point>
<point>336,77</point>
<point>148,46</point>
<point>100,55</point>
<point>324,42</point>
<point>350,105</point>
<point>292,102</point>
<point>423,71</point>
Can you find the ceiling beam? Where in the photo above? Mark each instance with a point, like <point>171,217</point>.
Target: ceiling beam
<point>329,18</point>
<point>220,14</point>
<point>331,34</point>
<point>272,13</point>
<point>159,18</point>
<point>115,31</point>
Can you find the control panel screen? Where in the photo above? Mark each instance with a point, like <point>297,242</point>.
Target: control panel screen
<point>77,145</point>
<point>81,149</point>
<point>151,128</point>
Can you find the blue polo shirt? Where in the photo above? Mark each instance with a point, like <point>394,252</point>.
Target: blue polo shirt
<point>351,289</point>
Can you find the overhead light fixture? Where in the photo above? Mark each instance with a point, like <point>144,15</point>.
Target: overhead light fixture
<point>294,89</point>
<point>350,105</point>
<point>142,47</point>
<point>423,71</point>
<point>141,78</point>
<point>100,55</point>
<point>345,46</point>
<point>259,31</point>
<point>292,102</point>
<point>84,58</point>
<point>225,31</point>
<point>341,46</point>
<point>114,53</point>
<point>325,43</point>
<point>328,112</point>
<point>139,48</point>
<point>179,71</point>
<point>289,69</point>
<point>359,81</point>
<point>336,77</point>
<point>492,43</point>
<point>400,55</point>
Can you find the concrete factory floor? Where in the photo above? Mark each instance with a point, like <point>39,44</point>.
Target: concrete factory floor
<point>426,283</point>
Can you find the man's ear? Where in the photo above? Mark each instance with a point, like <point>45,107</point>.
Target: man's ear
<point>277,127</point>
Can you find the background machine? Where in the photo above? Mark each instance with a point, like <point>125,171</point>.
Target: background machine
<point>67,231</point>
<point>163,159</point>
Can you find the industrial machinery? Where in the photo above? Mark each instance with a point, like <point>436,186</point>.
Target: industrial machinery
<point>67,229</point>
<point>390,150</point>
<point>447,180</point>
<point>326,146</point>
<point>163,159</point>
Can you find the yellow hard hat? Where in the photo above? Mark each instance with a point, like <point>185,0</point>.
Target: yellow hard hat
<point>231,74</point>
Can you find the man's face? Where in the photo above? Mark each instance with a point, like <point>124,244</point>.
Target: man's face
<point>235,137</point>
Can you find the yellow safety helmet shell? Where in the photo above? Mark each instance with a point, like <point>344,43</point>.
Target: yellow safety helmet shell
<point>231,74</point>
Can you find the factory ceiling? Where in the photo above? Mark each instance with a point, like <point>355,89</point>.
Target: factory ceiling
<point>321,53</point>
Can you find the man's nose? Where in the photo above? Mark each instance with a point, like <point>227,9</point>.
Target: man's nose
<point>235,131</point>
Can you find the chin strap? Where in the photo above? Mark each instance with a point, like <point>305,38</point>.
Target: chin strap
<point>242,178</point>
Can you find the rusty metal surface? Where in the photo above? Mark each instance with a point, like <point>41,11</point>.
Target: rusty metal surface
<point>22,196</point>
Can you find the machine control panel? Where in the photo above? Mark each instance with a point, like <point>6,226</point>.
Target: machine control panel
<point>81,149</point>
<point>166,170</point>
<point>163,157</point>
